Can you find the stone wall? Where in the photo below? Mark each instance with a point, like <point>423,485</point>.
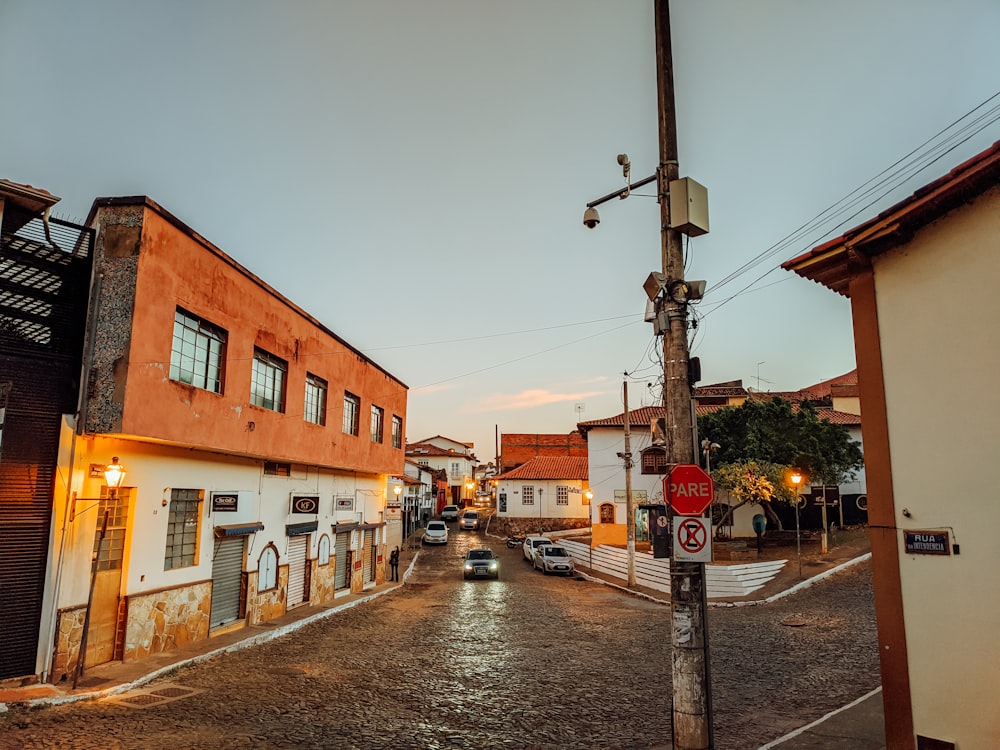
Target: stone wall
<point>323,579</point>
<point>266,605</point>
<point>522,526</point>
<point>69,633</point>
<point>166,619</point>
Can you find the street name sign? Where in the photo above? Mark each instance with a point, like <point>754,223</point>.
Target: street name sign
<point>688,489</point>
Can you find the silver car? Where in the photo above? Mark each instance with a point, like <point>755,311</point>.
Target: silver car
<point>551,558</point>
<point>469,519</point>
<point>436,532</point>
<point>531,544</point>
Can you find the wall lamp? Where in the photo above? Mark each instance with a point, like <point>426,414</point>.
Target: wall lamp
<point>114,475</point>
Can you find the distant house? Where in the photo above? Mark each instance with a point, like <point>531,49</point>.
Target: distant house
<point>517,448</point>
<point>930,452</point>
<point>454,457</point>
<point>545,493</point>
<point>605,440</point>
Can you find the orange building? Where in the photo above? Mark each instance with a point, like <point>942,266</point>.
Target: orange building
<point>258,447</point>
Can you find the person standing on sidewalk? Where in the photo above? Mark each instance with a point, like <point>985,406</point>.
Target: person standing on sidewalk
<point>394,564</point>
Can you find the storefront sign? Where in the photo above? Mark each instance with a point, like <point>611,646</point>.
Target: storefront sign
<point>344,502</point>
<point>305,503</point>
<point>225,502</point>
<point>393,512</point>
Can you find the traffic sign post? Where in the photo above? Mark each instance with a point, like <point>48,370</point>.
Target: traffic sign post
<point>693,538</point>
<point>688,489</point>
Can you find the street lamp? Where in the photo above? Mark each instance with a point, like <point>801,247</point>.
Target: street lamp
<point>796,481</point>
<point>707,446</point>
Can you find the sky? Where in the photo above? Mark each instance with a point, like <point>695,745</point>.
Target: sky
<point>414,174</point>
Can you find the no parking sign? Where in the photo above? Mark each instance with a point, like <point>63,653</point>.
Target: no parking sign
<point>692,539</point>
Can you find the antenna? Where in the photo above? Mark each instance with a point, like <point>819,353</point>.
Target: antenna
<point>580,407</point>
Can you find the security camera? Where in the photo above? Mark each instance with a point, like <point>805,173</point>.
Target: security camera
<point>591,218</point>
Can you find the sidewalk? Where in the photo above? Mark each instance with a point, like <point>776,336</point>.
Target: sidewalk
<point>119,677</point>
<point>858,726</point>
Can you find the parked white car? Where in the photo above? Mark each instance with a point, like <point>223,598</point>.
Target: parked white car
<point>436,532</point>
<point>531,544</point>
<point>551,558</point>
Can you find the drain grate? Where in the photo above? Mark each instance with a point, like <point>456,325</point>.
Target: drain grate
<point>153,696</point>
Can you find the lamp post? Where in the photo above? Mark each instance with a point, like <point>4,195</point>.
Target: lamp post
<point>707,446</point>
<point>114,475</point>
<point>796,481</point>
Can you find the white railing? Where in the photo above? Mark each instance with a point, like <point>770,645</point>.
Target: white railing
<point>721,581</point>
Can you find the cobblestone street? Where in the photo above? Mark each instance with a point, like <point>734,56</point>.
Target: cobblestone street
<point>528,661</point>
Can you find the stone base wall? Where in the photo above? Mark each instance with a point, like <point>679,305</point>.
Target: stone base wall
<point>69,633</point>
<point>323,579</point>
<point>266,605</point>
<point>514,526</point>
<point>167,619</point>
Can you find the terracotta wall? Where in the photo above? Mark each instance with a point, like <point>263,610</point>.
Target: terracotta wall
<point>152,264</point>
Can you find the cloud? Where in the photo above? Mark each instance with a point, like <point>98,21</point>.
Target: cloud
<point>527,400</point>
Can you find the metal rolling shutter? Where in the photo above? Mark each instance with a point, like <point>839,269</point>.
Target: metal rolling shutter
<point>343,544</point>
<point>227,572</point>
<point>369,553</point>
<point>298,547</point>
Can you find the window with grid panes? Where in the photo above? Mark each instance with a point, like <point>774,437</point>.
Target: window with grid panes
<point>110,553</point>
<point>397,431</point>
<point>315,408</point>
<point>527,496</point>
<point>267,382</point>
<point>197,352</point>
<point>654,461</point>
<point>182,529</point>
<point>377,425</point>
<point>352,413</point>
<point>562,495</point>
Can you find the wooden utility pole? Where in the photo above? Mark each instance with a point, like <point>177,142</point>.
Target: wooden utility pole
<point>629,503</point>
<point>692,721</point>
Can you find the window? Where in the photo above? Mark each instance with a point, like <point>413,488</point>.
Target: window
<point>277,469</point>
<point>377,416</point>
<point>183,523</point>
<point>397,431</point>
<point>267,569</point>
<point>562,495</point>
<point>455,471</point>
<point>527,496</point>
<point>352,413</point>
<point>315,409</point>
<point>654,461</point>
<point>323,552</point>
<point>267,384</point>
<point>197,352</point>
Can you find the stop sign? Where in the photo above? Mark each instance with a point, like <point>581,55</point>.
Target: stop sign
<point>688,489</point>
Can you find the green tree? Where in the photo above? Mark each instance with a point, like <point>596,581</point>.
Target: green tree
<point>762,441</point>
<point>748,482</point>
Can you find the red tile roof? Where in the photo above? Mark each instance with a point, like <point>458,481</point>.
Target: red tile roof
<point>420,450</point>
<point>549,467</point>
<point>829,264</point>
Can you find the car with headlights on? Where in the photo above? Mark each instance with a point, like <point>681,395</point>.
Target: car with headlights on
<point>551,558</point>
<point>469,519</point>
<point>481,563</point>
<point>436,532</point>
<point>531,544</point>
